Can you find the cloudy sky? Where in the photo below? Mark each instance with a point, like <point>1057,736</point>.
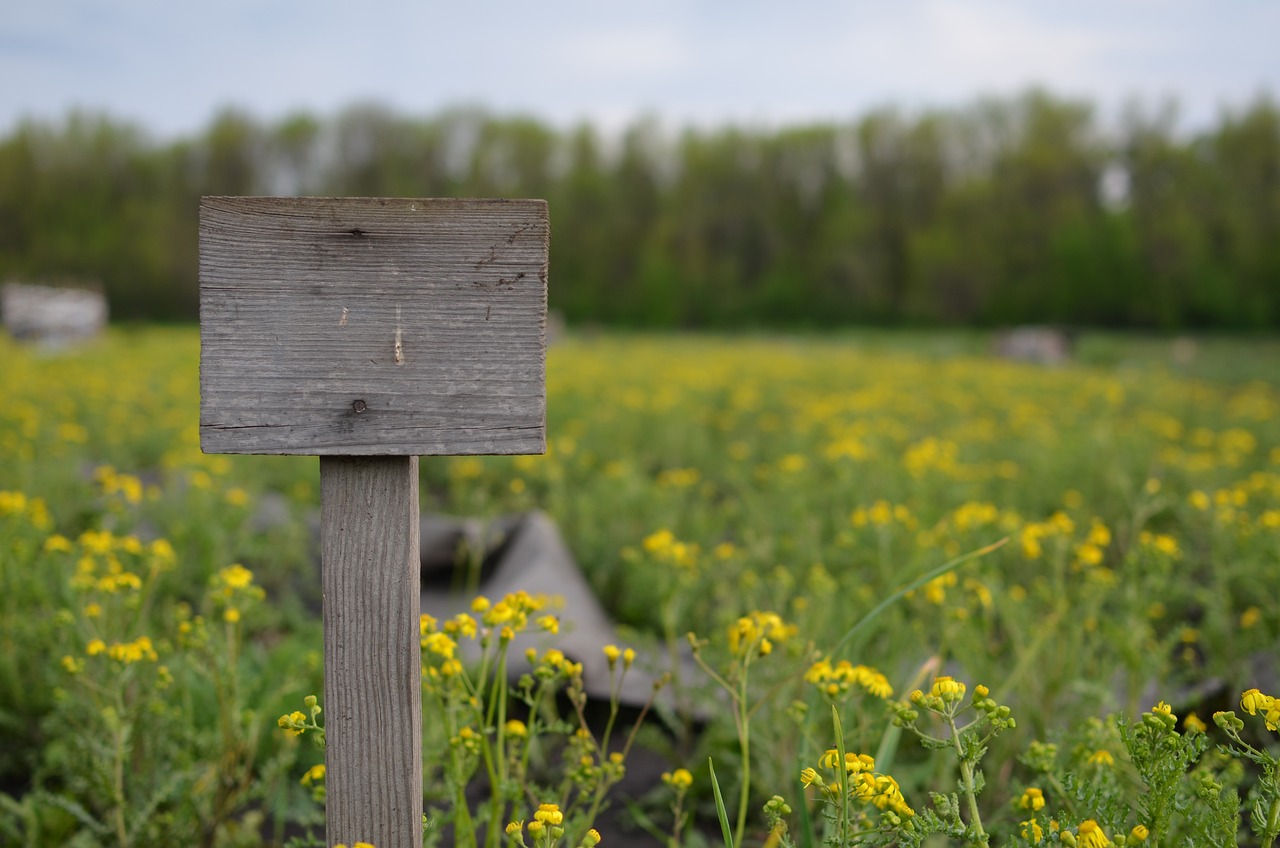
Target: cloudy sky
<point>170,65</point>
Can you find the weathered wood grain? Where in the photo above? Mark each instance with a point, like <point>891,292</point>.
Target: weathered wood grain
<point>365,326</point>
<point>372,682</point>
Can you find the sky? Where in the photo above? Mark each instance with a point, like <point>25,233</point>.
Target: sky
<point>170,65</point>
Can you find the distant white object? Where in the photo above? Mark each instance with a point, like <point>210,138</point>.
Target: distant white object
<point>52,316</point>
<point>1045,345</point>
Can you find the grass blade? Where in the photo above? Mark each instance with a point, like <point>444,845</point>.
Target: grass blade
<point>912,586</point>
<point>720,810</point>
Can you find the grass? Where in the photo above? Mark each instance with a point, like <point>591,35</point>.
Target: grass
<point>697,480</point>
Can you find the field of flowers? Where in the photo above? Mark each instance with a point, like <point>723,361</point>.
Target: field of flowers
<point>753,500</point>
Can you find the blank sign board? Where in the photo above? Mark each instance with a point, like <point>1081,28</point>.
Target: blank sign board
<point>372,326</point>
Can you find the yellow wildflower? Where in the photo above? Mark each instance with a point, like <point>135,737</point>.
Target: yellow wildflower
<point>315,774</point>
<point>947,689</point>
<point>294,721</point>
<point>57,544</point>
<point>680,779</point>
<point>1032,799</point>
<point>1091,835</point>
<point>1253,700</point>
<point>235,576</point>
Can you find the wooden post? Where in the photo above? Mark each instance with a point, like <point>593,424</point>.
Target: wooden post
<point>370,332</point>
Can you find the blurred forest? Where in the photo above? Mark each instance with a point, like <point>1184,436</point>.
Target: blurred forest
<point>1021,210</point>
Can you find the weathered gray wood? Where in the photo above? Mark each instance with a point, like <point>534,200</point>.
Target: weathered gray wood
<point>372,682</point>
<point>365,326</point>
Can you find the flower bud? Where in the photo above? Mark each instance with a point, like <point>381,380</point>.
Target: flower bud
<point>947,689</point>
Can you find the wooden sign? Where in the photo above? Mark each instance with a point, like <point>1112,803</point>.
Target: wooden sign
<point>370,332</point>
<point>360,326</point>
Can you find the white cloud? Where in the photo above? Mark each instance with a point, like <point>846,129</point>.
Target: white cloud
<point>960,49</point>
<point>648,52</point>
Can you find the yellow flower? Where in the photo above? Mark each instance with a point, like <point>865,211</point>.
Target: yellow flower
<point>549,623</point>
<point>1138,834</point>
<point>517,728</point>
<point>858,763</point>
<point>131,652</point>
<point>680,779</point>
<point>1194,723</point>
<point>294,721</point>
<point>947,689</point>
<point>1101,757</point>
<point>1252,701</point>
<point>1032,799</point>
<point>591,838</point>
<point>611,653</point>
<point>1163,709</point>
<point>235,576</point>
<point>753,633</point>
<point>439,644</point>
<point>810,777</point>
<point>515,827</point>
<point>461,624</point>
<point>315,774</point>
<point>1091,835</point>
<point>549,814</point>
<point>1031,830</point>
<point>57,543</point>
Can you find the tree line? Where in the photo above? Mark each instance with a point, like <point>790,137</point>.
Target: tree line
<point>1029,209</point>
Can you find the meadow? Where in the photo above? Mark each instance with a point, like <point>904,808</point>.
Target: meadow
<point>1081,562</point>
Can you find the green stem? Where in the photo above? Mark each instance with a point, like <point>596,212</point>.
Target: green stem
<point>967,785</point>
<point>1272,828</point>
<point>842,822</point>
<point>495,758</point>
<point>744,741</point>
<point>118,739</point>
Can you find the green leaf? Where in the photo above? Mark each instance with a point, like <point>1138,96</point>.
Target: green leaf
<point>720,810</point>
